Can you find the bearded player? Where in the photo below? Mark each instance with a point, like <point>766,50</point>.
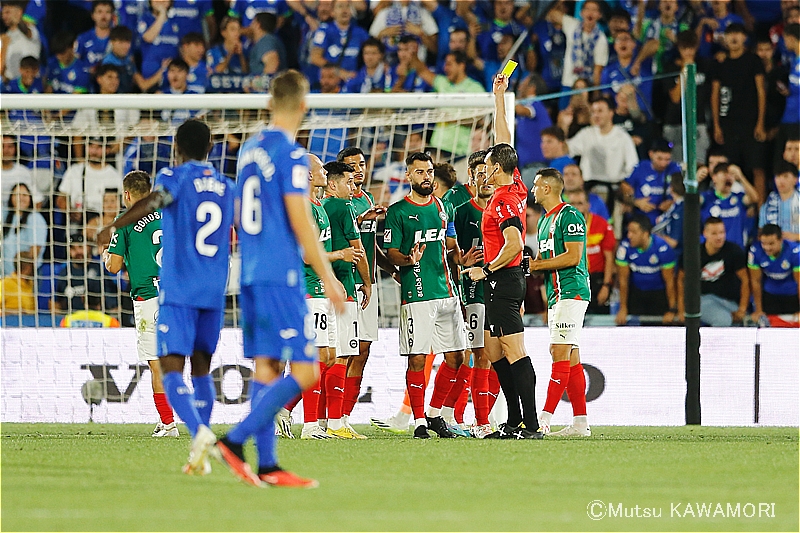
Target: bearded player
<point>138,248</point>
<point>562,259</point>
<point>418,237</point>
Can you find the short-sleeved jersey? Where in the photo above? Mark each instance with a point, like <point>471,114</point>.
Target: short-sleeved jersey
<point>68,79</point>
<point>139,245</point>
<point>731,210</point>
<point>777,272</point>
<point>646,265</point>
<point>652,184</point>
<point>599,239</point>
<point>458,195</point>
<point>361,203</point>
<point>334,42</point>
<point>270,167</point>
<point>314,286</point>
<point>468,231</point>
<point>165,45</point>
<point>557,227</point>
<point>343,230</point>
<point>507,202</point>
<point>408,223</point>
<point>196,235</point>
<point>91,48</point>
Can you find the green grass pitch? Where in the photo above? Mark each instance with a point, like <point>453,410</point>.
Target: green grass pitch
<point>92,477</point>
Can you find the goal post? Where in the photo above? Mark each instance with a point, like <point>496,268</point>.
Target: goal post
<point>52,133</point>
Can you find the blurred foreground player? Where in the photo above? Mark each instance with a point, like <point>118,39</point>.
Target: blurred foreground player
<point>275,222</point>
<point>196,204</point>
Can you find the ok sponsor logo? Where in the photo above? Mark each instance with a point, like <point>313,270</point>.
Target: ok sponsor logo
<point>576,229</point>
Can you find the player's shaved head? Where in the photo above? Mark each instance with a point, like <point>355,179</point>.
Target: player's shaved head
<point>288,91</point>
<point>137,183</point>
<point>318,175</point>
<point>193,140</point>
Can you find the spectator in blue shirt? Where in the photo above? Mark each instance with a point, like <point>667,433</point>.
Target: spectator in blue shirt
<point>119,55</point>
<point>711,30</point>
<point>66,74</point>
<point>29,82</point>
<point>669,226</point>
<point>502,24</point>
<point>149,153</point>
<point>573,181</point>
<point>191,14</point>
<point>407,80</point>
<point>247,10</point>
<point>730,207</point>
<point>550,45</point>
<point>268,55</point>
<point>646,274</point>
<point>228,57</point>
<point>375,76</point>
<point>178,77</point>
<point>774,265</point>
<point>531,120</point>
<point>791,114</point>
<point>339,42</point>
<point>492,66</point>
<point>447,21</point>
<point>783,204</point>
<point>646,188</point>
<point>629,68</point>
<point>555,153</point>
<point>93,44</point>
<point>193,51</point>
<point>160,32</point>
<point>461,41</point>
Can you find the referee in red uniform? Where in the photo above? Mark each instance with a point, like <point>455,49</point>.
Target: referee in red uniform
<point>503,225</point>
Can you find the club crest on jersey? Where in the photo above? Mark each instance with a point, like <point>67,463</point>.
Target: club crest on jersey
<point>443,215</point>
<point>653,259</point>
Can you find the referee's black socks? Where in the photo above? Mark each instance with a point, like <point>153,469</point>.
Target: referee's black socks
<point>507,383</point>
<point>525,383</point>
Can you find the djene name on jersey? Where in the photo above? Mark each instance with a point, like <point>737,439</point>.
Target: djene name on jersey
<point>209,185</point>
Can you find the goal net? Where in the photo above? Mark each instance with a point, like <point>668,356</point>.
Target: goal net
<point>64,158</point>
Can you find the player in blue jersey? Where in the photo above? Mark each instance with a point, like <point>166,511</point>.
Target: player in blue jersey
<point>275,221</point>
<point>774,265</point>
<point>196,204</point>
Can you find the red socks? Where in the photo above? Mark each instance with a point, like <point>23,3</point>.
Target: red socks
<point>415,385</point>
<point>334,390</point>
<point>480,395</point>
<point>311,400</point>
<point>494,389</point>
<point>461,403</point>
<point>576,390</point>
<point>322,403</point>
<point>462,382</point>
<point>163,408</point>
<point>559,378</point>
<point>445,380</point>
<point>352,386</point>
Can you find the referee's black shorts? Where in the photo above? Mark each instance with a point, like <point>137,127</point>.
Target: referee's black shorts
<point>504,293</point>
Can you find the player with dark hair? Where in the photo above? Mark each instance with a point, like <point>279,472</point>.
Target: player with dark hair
<point>367,215</point>
<point>138,248</point>
<point>196,204</point>
<point>418,239</point>
<point>275,223</point>
<point>503,225</point>
<point>562,257</point>
<point>344,234</point>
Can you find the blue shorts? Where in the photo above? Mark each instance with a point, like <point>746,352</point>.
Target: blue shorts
<point>185,330</point>
<point>276,323</point>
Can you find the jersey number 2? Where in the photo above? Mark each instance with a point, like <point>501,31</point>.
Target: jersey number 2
<point>211,214</point>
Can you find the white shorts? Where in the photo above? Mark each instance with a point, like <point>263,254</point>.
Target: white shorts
<point>368,318</point>
<point>476,314</point>
<point>565,320</point>
<point>347,330</point>
<point>145,316</point>
<point>435,325</point>
<point>324,322</point>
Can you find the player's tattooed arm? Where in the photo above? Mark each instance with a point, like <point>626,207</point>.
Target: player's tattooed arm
<point>149,204</point>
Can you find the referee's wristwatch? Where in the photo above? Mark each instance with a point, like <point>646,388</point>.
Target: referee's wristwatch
<point>486,270</point>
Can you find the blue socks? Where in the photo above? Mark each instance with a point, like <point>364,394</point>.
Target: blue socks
<point>264,405</point>
<point>182,401</point>
<point>204,394</point>
<point>265,437</point>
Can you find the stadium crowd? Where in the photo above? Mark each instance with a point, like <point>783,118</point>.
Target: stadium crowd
<point>598,98</point>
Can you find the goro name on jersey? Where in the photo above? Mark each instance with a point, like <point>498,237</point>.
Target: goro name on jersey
<point>431,235</point>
